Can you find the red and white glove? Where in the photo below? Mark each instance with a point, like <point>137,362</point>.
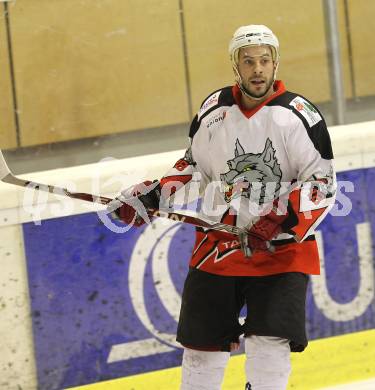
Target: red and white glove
<point>263,231</point>
<point>270,226</point>
<point>133,203</point>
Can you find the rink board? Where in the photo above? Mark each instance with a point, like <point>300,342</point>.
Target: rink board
<point>105,305</point>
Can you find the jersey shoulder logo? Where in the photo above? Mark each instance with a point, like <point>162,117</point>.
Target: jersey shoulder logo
<point>215,118</point>
<point>210,102</point>
<point>255,176</point>
<point>307,110</point>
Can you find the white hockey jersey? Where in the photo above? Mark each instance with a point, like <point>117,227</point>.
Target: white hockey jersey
<point>248,158</point>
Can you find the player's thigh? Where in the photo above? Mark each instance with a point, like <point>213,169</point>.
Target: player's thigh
<point>276,307</point>
<point>209,310</point>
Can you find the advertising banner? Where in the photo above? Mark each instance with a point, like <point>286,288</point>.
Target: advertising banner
<point>106,305</point>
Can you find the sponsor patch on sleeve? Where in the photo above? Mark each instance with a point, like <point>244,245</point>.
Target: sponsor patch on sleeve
<point>306,109</point>
<point>209,103</point>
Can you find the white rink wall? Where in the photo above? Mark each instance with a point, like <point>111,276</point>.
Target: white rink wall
<point>354,148</point>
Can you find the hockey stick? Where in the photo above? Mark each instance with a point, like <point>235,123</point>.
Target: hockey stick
<point>7,176</point>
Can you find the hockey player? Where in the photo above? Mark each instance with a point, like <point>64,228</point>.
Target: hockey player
<point>254,143</point>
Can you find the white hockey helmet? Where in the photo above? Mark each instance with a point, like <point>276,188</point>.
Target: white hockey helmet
<point>254,34</point>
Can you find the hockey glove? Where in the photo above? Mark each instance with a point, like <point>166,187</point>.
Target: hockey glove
<point>133,203</point>
<point>269,226</point>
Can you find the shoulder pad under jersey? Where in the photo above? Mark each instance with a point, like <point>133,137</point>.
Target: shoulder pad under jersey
<point>220,98</point>
<point>311,118</point>
<point>300,106</point>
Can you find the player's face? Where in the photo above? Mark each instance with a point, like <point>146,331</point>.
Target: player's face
<point>256,68</point>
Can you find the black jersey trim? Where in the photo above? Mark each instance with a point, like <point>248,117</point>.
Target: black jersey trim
<point>318,133</point>
<point>291,240</point>
<point>225,99</point>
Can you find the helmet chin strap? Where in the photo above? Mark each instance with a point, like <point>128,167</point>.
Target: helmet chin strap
<point>247,93</point>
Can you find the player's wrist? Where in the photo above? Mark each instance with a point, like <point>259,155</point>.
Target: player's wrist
<point>150,198</point>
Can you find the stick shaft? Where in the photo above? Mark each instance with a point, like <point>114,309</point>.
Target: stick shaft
<point>6,176</point>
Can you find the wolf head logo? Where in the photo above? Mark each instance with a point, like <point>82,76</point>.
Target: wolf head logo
<point>250,173</point>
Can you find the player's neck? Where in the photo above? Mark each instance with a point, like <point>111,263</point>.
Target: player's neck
<point>249,104</point>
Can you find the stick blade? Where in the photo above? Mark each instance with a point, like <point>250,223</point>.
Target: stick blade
<point>4,170</point>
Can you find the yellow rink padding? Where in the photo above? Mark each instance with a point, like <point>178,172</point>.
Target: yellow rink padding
<point>326,362</point>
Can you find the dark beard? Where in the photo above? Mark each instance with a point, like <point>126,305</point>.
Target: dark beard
<point>268,86</point>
